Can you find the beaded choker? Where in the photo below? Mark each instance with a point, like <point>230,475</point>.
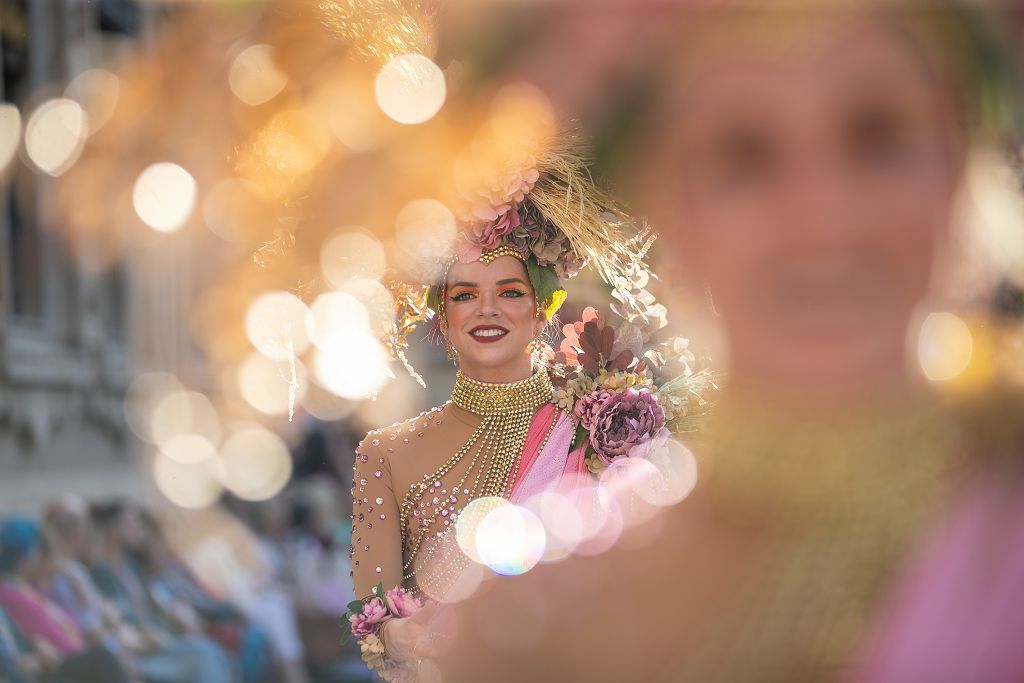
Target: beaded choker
<point>486,465</point>
<point>481,398</point>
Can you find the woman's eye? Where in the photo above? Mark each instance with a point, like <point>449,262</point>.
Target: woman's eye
<point>512,293</point>
<point>743,158</point>
<point>462,296</point>
<point>880,138</point>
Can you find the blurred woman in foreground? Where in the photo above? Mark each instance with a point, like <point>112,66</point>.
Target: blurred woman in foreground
<point>805,167</point>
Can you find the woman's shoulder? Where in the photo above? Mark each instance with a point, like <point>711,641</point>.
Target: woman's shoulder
<point>387,439</point>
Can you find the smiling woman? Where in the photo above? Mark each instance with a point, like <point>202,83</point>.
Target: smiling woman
<point>492,319</point>
<point>418,485</point>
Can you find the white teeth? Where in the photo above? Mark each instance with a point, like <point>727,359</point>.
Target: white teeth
<point>488,333</point>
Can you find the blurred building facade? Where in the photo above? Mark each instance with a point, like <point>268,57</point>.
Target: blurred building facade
<point>65,351</point>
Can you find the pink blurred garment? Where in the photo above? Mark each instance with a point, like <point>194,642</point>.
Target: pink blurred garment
<point>39,618</point>
<point>959,613</point>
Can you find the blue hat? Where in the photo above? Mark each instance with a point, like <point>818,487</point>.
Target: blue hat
<point>19,538</point>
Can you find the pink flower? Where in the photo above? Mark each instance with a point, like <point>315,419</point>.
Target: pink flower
<point>487,235</point>
<point>624,421</point>
<point>587,407</point>
<point>402,603</point>
<point>518,177</point>
<point>369,620</point>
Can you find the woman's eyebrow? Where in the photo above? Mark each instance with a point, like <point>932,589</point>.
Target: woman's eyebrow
<point>463,284</point>
<point>510,280</point>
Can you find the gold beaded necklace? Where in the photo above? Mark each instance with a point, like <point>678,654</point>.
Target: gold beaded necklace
<point>495,450</point>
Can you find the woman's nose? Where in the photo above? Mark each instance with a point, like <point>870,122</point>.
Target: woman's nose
<point>488,305</point>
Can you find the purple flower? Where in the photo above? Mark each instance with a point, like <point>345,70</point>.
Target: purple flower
<point>402,603</point>
<point>369,620</point>
<point>624,421</point>
<point>587,407</point>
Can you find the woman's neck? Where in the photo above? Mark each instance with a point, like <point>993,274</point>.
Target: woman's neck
<point>506,374</point>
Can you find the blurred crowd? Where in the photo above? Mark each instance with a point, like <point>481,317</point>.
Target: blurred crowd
<point>101,591</point>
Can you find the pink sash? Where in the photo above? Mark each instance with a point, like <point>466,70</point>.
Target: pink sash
<point>544,469</point>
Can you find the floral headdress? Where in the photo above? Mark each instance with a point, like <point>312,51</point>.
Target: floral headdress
<point>538,203</point>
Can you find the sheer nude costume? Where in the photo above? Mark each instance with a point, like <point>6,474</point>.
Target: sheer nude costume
<point>433,466</point>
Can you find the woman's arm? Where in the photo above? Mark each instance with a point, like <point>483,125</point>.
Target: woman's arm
<point>376,535</point>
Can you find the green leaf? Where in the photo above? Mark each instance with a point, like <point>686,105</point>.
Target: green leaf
<point>380,590</point>
<point>581,435</point>
<point>356,606</point>
<point>434,299</point>
<point>545,282</point>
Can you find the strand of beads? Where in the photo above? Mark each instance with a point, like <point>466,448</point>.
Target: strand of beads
<point>495,451</point>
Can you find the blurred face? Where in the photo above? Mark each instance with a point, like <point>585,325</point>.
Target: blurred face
<point>812,174</point>
<point>130,529</point>
<point>492,319</point>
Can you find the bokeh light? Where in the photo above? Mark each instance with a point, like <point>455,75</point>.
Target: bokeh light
<point>410,88</point>
<point>254,76</point>
<point>233,208</point>
<point>995,216</point>
<point>510,540</point>
<point>188,448</point>
<point>164,196</point>
<point>326,406</point>
<point>184,412</point>
<point>355,367</point>
<point>269,386</point>
<point>562,523</point>
<point>603,524</point>
<point>674,476</point>
<point>377,300</point>
<point>97,90</point>
<point>279,324</point>
<point>348,254</point>
<point>144,393</point>
<point>425,235</point>
<point>55,135</point>
<point>336,316</point>
<point>468,522</point>
<point>254,463</point>
<point>10,133</point>
<point>945,346</point>
<point>665,475</point>
<point>187,485</point>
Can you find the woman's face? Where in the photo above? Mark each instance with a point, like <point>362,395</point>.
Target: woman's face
<point>492,319</point>
<point>812,176</point>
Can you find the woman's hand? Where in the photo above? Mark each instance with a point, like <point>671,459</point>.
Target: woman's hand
<point>410,639</point>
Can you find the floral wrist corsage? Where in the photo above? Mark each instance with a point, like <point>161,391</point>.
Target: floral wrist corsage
<point>366,618</point>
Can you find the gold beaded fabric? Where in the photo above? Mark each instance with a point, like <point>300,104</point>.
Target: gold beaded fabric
<point>412,481</point>
<point>839,510</point>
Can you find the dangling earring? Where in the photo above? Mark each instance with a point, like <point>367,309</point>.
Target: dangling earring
<point>537,351</point>
<point>453,355</point>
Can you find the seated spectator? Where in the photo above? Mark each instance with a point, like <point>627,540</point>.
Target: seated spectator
<point>11,668</point>
<point>40,640</point>
<point>177,652</point>
<point>184,601</point>
<point>245,567</point>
